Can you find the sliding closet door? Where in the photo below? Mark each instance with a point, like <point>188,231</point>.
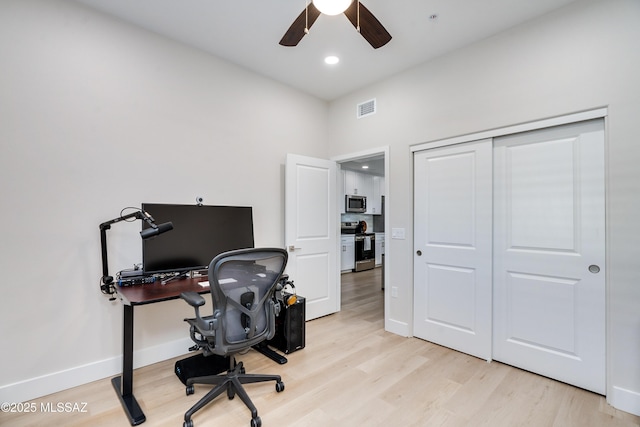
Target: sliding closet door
<point>452,257</point>
<point>549,258</point>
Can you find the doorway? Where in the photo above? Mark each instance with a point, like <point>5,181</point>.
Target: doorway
<point>363,174</point>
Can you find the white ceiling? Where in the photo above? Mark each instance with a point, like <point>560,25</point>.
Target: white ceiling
<point>247,32</point>
<point>374,164</point>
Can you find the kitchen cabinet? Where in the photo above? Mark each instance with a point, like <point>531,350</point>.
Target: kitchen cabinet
<point>379,248</point>
<point>362,184</point>
<point>347,253</point>
<point>350,182</point>
<point>343,185</point>
<point>374,202</point>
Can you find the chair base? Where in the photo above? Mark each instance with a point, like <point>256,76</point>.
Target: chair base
<point>232,384</point>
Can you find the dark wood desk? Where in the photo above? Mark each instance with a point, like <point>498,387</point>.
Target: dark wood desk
<point>132,296</point>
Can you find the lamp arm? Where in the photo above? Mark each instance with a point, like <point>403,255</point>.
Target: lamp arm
<point>106,283</point>
<point>107,225</point>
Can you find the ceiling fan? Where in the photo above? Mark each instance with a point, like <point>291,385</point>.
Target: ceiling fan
<point>361,18</point>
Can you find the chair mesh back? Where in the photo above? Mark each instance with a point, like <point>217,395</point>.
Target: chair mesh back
<point>242,286</point>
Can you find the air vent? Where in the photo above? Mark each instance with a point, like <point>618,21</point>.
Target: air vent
<point>366,108</point>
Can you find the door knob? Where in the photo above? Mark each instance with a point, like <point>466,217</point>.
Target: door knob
<point>419,252</point>
<point>594,269</point>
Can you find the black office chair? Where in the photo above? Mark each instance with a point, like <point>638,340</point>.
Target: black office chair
<point>243,284</point>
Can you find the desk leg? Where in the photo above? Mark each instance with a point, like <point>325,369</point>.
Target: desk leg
<point>124,384</point>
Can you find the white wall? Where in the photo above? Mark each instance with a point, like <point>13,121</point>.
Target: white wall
<point>96,115</point>
<point>582,57</point>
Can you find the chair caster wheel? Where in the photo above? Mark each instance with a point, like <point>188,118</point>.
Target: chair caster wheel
<point>189,390</point>
<point>256,422</point>
<point>279,386</point>
<point>188,423</point>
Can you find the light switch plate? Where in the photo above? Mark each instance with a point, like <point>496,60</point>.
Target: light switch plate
<point>397,233</point>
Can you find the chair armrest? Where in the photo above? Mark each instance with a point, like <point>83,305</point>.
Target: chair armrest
<point>205,326</point>
<point>194,299</point>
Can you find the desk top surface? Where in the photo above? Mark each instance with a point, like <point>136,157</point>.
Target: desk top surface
<point>156,292</point>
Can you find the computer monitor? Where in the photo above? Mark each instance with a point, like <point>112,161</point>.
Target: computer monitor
<point>199,234</point>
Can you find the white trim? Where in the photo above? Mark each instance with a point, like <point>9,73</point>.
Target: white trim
<point>362,154</point>
<point>33,388</point>
<point>597,113</point>
<point>397,327</point>
<point>625,400</point>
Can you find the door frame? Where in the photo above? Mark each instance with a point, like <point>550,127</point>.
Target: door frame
<point>384,151</point>
<point>596,113</point>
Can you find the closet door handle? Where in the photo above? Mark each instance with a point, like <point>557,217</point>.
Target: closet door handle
<point>419,252</point>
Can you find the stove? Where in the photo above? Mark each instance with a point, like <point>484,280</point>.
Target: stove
<point>365,245</point>
<point>365,251</point>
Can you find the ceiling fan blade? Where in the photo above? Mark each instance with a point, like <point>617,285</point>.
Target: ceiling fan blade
<point>370,28</point>
<point>296,32</point>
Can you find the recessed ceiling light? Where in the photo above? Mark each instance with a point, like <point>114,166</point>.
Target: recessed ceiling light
<point>365,167</point>
<point>331,60</point>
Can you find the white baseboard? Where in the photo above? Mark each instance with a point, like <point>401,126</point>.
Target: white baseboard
<point>54,382</point>
<point>396,327</point>
<point>625,400</point>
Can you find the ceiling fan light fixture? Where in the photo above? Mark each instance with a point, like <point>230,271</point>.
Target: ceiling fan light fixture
<point>332,7</point>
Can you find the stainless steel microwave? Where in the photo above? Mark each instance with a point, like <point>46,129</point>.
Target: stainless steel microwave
<point>355,204</point>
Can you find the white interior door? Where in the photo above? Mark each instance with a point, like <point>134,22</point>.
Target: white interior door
<point>452,235</point>
<point>549,276</point>
<point>311,232</point>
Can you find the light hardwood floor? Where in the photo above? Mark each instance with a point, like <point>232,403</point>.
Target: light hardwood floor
<point>352,373</point>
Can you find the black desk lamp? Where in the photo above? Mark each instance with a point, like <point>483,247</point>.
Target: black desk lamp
<point>106,283</point>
